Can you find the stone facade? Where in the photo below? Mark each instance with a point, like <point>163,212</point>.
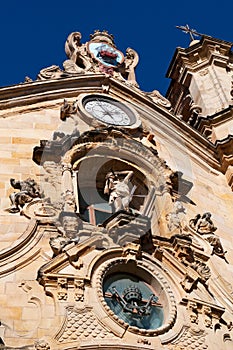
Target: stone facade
<point>116,204</point>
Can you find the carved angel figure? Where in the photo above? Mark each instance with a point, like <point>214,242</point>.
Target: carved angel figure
<point>28,191</point>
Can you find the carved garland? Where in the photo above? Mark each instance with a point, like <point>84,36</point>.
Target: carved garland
<point>170,299</point>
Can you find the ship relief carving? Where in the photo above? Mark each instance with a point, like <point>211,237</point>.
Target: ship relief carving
<point>99,55</point>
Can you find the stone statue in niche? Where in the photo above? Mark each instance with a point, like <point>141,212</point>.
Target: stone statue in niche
<point>28,190</point>
<point>118,190</point>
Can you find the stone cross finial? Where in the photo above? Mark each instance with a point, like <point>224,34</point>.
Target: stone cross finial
<point>191,32</point>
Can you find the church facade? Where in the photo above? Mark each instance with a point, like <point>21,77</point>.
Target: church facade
<point>116,204</point>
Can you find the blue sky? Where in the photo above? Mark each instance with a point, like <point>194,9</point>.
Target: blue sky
<point>33,33</point>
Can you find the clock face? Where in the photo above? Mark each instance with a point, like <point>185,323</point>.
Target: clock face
<point>109,111</point>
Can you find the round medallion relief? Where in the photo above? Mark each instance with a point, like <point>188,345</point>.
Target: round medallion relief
<point>136,296</point>
<point>133,301</point>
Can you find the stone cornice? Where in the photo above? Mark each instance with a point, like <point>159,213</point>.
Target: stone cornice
<point>26,94</point>
<point>214,119</point>
<point>209,47</point>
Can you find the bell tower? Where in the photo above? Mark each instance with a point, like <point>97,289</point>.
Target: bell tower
<point>201,76</point>
<point>201,92</point>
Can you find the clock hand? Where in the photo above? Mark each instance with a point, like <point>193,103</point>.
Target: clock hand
<point>106,112</point>
<point>101,106</point>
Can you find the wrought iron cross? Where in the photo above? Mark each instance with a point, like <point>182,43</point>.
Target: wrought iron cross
<point>187,30</point>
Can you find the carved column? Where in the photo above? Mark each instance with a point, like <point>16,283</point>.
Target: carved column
<point>67,188</point>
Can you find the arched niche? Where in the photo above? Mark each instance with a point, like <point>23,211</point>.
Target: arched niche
<point>91,160</point>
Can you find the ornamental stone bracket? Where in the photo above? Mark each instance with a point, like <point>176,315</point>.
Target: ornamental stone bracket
<point>205,314</point>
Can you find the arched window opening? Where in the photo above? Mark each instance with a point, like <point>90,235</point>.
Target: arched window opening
<point>95,204</point>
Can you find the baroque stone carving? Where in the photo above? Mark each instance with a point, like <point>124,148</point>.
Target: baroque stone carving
<point>28,190</point>
<point>81,60</point>
<point>51,177</point>
<point>68,226</point>
<point>190,337</point>
<point>51,72</point>
<point>118,189</point>
<point>124,227</point>
<point>62,288</point>
<point>131,61</point>
<point>58,243</point>
<point>203,225</point>
<point>159,99</point>
<point>68,109</point>
<point>76,52</point>
<point>42,344</point>
<point>193,313</point>
<point>81,324</point>
<point>203,313</point>
<point>79,289</point>
<point>175,217</point>
<point>195,112</point>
